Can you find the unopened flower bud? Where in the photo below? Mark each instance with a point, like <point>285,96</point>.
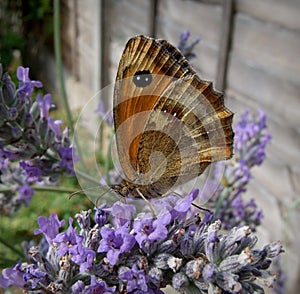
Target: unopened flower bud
<point>179,281</point>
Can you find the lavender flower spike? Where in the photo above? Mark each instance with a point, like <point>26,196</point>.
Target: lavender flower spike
<point>251,140</point>
<point>31,142</point>
<point>187,49</point>
<point>144,256</point>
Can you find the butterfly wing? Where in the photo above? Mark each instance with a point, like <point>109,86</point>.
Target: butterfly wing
<point>188,129</point>
<point>170,125</point>
<point>142,57</point>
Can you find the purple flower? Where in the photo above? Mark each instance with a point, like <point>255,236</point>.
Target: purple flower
<point>150,230</point>
<point>101,216</point>
<point>26,85</point>
<point>78,287</point>
<point>55,126</point>
<point>12,276</point>
<point>104,114</point>
<point>135,279</point>
<point>187,50</point>
<point>98,286</point>
<point>84,257</point>
<point>33,172</point>
<point>115,242</point>
<point>182,206</point>
<point>122,213</point>
<point>49,227</point>
<point>67,159</point>
<point>25,193</point>
<point>45,103</point>
<point>5,155</point>
<point>68,240</point>
<point>183,39</point>
<point>34,275</point>
<point>251,138</point>
<point>241,175</point>
<point>238,207</point>
<point>71,243</point>
<point>237,174</point>
<point>83,219</point>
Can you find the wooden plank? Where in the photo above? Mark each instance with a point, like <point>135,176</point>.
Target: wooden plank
<point>270,91</point>
<point>283,13</point>
<point>200,19</point>
<point>153,18</point>
<point>104,44</point>
<point>275,49</point>
<point>275,176</point>
<point>127,19</point>
<point>171,23</point>
<point>225,43</point>
<point>287,152</point>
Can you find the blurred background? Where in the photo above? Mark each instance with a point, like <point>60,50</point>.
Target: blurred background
<point>250,49</point>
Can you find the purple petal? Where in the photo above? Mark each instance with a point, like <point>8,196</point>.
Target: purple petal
<point>49,227</point>
<point>183,205</point>
<point>22,74</point>
<point>12,276</point>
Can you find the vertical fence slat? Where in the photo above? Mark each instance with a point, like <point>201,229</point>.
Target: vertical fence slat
<point>153,18</point>
<point>104,43</point>
<point>225,43</point>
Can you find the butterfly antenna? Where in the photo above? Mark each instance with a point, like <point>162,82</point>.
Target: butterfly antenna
<point>91,188</point>
<point>82,191</point>
<point>202,208</point>
<point>195,205</point>
<point>105,192</point>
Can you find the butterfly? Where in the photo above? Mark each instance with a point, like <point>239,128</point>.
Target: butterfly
<point>170,125</point>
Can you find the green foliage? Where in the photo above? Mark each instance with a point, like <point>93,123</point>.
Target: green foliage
<point>39,9</point>
<point>10,41</point>
<point>18,22</point>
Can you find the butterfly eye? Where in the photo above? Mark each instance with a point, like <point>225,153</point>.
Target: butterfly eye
<point>142,78</point>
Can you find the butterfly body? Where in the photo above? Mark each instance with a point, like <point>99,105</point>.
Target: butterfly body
<point>170,125</point>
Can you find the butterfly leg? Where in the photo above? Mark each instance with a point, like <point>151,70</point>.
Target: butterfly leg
<point>148,202</point>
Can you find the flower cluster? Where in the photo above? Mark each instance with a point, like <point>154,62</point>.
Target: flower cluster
<point>251,139</point>
<point>32,146</point>
<point>126,252</point>
<point>185,48</point>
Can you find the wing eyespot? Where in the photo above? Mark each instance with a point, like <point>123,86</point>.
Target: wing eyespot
<point>142,78</point>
